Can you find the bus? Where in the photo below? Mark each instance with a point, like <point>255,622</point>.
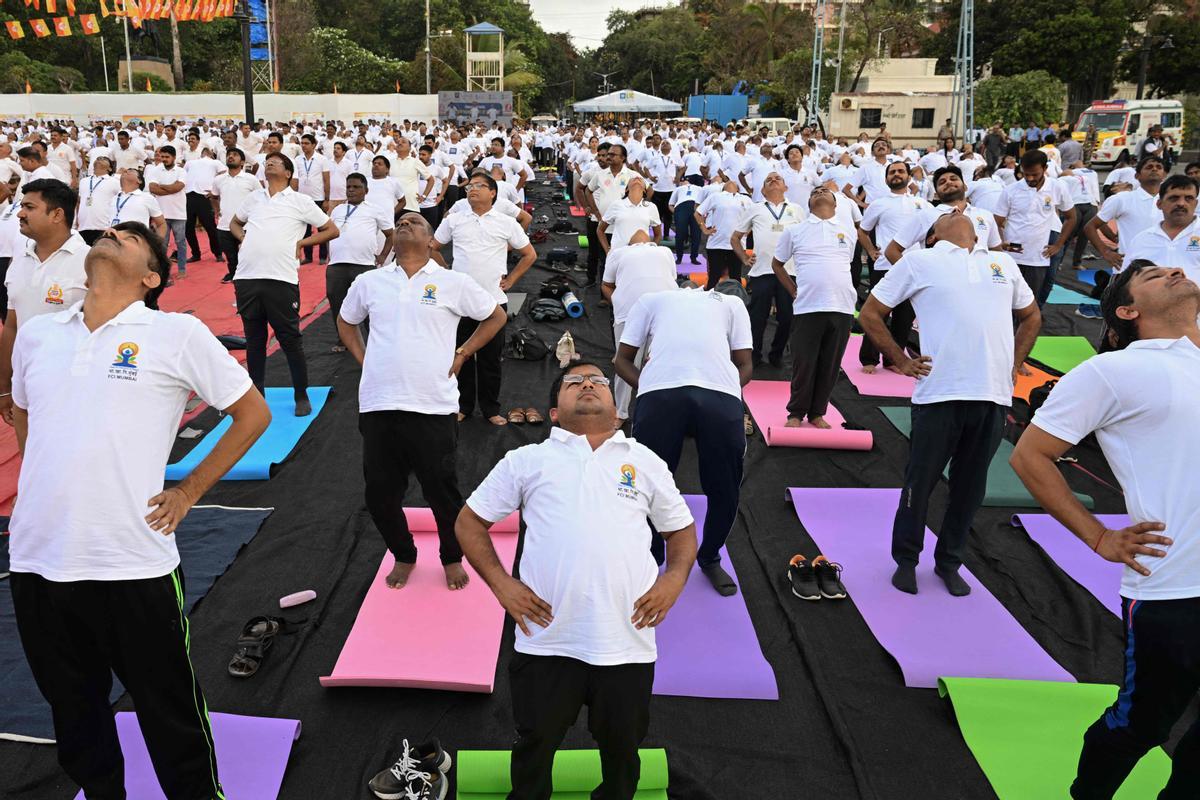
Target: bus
<point>1121,125</point>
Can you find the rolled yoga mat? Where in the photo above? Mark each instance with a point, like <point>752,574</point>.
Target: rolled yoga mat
<point>707,646</point>
<point>484,774</point>
<point>577,211</point>
<point>458,632</point>
<point>768,400</point>
<point>572,305</point>
<point>882,383</point>
<point>252,756</point>
<point>1061,295</point>
<point>1004,488</point>
<point>1026,735</point>
<point>582,240</point>
<point>273,447</point>
<point>1101,578</point>
<point>1062,353</point>
<point>930,634</point>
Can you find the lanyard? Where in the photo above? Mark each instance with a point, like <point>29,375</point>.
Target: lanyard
<point>778,216</point>
<point>350,209</point>
<point>120,205</point>
<point>307,165</point>
<point>93,183</point>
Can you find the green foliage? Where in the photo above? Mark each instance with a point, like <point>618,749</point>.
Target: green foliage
<point>1175,70</point>
<point>339,60</point>
<point>17,68</point>
<point>1008,99</point>
<point>157,83</point>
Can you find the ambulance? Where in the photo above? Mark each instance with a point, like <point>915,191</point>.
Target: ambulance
<point>1121,125</point>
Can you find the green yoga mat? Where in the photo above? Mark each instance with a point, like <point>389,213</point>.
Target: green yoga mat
<point>484,774</point>
<point>582,240</point>
<point>1004,488</point>
<point>1062,353</point>
<point>1026,735</point>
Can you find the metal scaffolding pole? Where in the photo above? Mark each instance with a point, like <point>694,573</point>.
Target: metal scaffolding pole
<point>814,91</point>
<point>964,60</point>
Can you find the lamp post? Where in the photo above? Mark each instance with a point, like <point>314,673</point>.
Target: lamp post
<point>879,43</point>
<point>243,17</point>
<point>1147,42</point>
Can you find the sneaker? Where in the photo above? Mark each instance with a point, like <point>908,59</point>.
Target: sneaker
<point>1088,311</point>
<point>829,578</point>
<point>419,774</point>
<point>803,579</point>
<point>227,279</point>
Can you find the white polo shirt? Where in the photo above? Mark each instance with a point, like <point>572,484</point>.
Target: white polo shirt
<point>130,157</point>
<point>1182,251</point>
<point>359,228</point>
<point>95,201</point>
<point>872,177</point>
<point>1149,439</point>
<point>413,326</point>
<point>965,303</point>
<point>142,365</point>
<point>136,206</point>
<point>768,222</point>
<point>384,193</point>
<point>310,175</point>
<point>199,174</point>
<point>911,236</point>
<point>635,270</point>
<point>1134,211</point>
<point>821,250</point>
<point>232,191</point>
<point>693,332</point>
<point>1031,217</point>
<point>274,223</point>
<point>481,243</point>
<point>888,216</point>
<point>607,188</point>
<point>505,207</point>
<point>174,205</point>
<point>587,541</point>
<point>44,287</point>
<point>412,176</point>
<point>723,211</point>
<point>625,219</point>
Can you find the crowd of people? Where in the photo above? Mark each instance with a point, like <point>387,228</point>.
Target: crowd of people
<point>95,224</point>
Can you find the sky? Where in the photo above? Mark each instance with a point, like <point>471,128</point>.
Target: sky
<point>584,20</point>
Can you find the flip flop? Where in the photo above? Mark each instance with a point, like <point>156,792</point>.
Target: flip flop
<point>253,644</point>
<point>516,416</point>
<point>533,417</point>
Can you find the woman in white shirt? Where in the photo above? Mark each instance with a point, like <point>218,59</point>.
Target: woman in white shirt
<point>96,193</point>
<point>631,213</point>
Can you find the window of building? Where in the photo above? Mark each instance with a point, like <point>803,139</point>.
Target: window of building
<point>870,117</point>
<point>922,118</point>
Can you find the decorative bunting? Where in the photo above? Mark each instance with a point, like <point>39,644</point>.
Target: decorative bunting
<point>40,28</point>
<point>28,88</point>
<point>104,12</point>
<point>62,26</point>
<point>15,31</point>
<point>397,86</point>
<point>89,23</point>
<point>71,7</point>
<point>51,6</point>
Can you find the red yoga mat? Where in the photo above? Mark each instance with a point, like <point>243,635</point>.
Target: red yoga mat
<point>576,211</point>
<point>768,400</point>
<point>448,640</point>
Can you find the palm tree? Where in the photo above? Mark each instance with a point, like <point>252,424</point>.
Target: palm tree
<point>770,25</point>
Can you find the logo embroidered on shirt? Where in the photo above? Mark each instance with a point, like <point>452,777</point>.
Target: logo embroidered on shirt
<point>980,223</point>
<point>629,476</point>
<point>841,239</point>
<point>997,273</point>
<point>125,367</point>
<point>429,298</point>
<point>54,295</point>
<point>1193,243</point>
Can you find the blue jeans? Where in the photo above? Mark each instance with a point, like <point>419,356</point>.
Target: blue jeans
<point>687,230</point>
<point>1051,272</point>
<point>177,228</point>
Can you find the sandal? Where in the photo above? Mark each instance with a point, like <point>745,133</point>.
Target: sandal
<point>747,425</point>
<point>533,417</point>
<point>516,416</point>
<point>253,643</point>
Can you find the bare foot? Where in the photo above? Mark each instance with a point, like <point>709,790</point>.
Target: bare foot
<point>869,369</point>
<point>793,422</point>
<point>1024,370</point>
<point>819,422</point>
<point>456,576</point>
<point>497,420</point>
<point>399,575</point>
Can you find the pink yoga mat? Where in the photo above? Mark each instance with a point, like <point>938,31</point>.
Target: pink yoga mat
<point>252,755</point>
<point>768,401</point>
<point>883,383</point>
<point>425,636</point>
<point>930,634</point>
<point>707,646</point>
<point>1101,578</point>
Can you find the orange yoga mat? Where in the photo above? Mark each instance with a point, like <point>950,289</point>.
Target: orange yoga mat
<point>1027,383</point>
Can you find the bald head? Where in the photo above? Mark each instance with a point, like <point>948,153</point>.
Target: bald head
<point>956,229</point>
<point>640,236</point>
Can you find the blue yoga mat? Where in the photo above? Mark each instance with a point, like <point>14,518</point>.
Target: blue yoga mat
<point>272,448</point>
<point>1088,276</point>
<point>1061,295</point>
<point>208,539</point>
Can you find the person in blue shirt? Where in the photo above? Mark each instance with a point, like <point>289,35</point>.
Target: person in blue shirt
<point>1033,136</point>
<point>1015,134</point>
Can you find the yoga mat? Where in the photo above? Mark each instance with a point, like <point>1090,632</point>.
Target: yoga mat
<point>451,640</point>
<point>686,267</point>
<point>252,755</point>
<point>1062,353</point>
<point>1088,276</point>
<point>583,241</point>
<point>1061,295</point>
<point>272,448</point>
<point>1027,383</point>
<point>1026,735</point>
<point>883,383</point>
<point>576,211</point>
<point>768,400</point>
<point>1004,488</point>
<point>516,301</point>
<point>1101,578</point>
<point>930,634</point>
<point>208,539</point>
<point>484,774</point>
<point>707,646</point>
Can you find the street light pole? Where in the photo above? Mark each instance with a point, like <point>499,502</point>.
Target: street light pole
<point>243,18</point>
<point>428,60</point>
<point>1144,66</point>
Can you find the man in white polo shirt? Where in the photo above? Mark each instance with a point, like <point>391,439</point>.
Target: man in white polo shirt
<point>1137,400</point>
<point>1029,218</point>
<point>589,595</point>
<point>229,190</point>
<point>96,192</point>
<point>692,386</point>
<point>412,175</point>
<point>604,187</point>
<point>166,182</point>
<point>134,204</point>
<point>312,180</point>
<point>482,236</point>
<point>96,582</point>
<point>1134,211</point>
<point>408,394</point>
<point>718,214</point>
<point>270,226</point>
<point>199,170</point>
<point>364,242</point>
<point>966,299</point>
<point>1175,241</point>
<point>46,274</point>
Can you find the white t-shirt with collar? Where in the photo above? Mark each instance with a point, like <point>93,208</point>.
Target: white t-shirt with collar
<point>888,216</point>
<point>81,507</point>
<point>310,175</point>
<point>273,224</point>
<point>174,205</point>
<point>481,243</point>
<point>625,219</point>
<point>587,541</point>
<point>136,206</point>
<point>635,270</point>
<point>768,223</point>
<point>607,188</point>
<point>1140,403</point>
<point>694,332</point>
<point>911,236</point>
<point>821,250</point>
<point>1154,244</point>
<point>232,191</point>
<point>43,287</point>
<point>413,326</point>
<point>359,228</point>
<point>1134,211</point>
<point>1031,216</point>
<point>965,303</point>
<point>723,211</point>
<point>95,200</point>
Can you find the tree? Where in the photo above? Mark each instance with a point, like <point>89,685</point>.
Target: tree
<point>1018,99</point>
<point>17,68</point>
<point>772,27</point>
<point>354,69</point>
<point>1171,71</point>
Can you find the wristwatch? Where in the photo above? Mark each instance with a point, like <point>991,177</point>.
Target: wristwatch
<point>460,351</point>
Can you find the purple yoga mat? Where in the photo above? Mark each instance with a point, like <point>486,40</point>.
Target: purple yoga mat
<point>1101,578</point>
<point>252,755</point>
<point>707,646</point>
<point>686,267</point>
<point>930,634</point>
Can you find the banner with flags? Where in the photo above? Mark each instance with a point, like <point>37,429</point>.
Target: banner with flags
<point>62,26</point>
<point>89,23</point>
<point>15,31</point>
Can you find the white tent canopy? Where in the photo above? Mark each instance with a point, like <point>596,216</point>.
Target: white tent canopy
<point>626,101</point>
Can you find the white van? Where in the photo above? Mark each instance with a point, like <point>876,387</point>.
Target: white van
<point>1121,125</point>
<point>780,126</point>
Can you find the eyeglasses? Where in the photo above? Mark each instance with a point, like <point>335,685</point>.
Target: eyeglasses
<point>476,185</point>
<point>596,380</point>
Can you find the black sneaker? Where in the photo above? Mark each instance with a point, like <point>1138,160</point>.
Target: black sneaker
<point>419,774</point>
<point>829,578</point>
<point>803,579</point>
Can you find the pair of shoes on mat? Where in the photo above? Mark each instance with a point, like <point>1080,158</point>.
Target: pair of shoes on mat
<point>419,774</point>
<point>812,580</point>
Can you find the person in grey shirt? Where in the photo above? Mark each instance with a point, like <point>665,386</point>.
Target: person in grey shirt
<point>1068,149</point>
